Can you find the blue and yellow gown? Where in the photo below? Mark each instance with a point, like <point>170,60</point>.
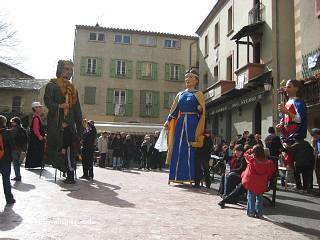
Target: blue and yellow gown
<point>185,132</point>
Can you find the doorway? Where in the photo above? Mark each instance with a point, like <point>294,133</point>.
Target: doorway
<point>257,116</point>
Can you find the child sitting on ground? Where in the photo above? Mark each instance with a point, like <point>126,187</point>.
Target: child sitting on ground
<point>255,179</point>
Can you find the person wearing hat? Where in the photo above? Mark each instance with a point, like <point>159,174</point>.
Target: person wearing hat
<point>185,125</point>
<point>35,151</point>
<point>61,99</point>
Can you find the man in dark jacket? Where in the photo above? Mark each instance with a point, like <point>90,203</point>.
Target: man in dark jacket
<point>5,160</point>
<point>303,158</point>
<point>202,157</point>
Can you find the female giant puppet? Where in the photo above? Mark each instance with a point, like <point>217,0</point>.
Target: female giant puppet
<point>185,125</point>
<point>294,116</point>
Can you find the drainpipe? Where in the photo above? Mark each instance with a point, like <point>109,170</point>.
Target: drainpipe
<point>276,81</point>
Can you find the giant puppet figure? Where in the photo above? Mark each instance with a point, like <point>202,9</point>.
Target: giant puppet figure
<point>185,125</point>
<point>61,99</point>
<point>294,116</point>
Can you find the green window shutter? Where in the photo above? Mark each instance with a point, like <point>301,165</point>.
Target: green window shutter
<point>154,71</point>
<point>139,70</point>
<point>99,66</point>
<point>83,66</point>
<point>167,71</point>
<point>110,105</point>
<point>182,72</point>
<point>166,100</point>
<point>155,104</point>
<point>113,68</point>
<point>129,103</point>
<point>129,69</point>
<point>142,103</point>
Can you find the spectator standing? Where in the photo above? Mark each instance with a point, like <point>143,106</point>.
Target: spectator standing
<point>202,157</point>
<point>88,140</point>
<point>157,156</point>
<point>303,158</point>
<point>5,160</point>
<point>19,142</point>
<point>103,143</point>
<point>35,150</point>
<point>117,146</point>
<point>146,150</point>
<point>129,151</point>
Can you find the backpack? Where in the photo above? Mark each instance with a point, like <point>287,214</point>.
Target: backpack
<point>1,145</point>
<point>22,139</point>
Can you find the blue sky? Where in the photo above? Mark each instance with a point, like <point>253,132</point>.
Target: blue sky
<point>46,28</point>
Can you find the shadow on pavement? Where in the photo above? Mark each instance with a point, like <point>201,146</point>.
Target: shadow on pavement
<point>23,187</point>
<point>308,232</point>
<point>294,211</point>
<point>282,197</point>
<point>9,219</point>
<point>96,191</point>
<point>201,190</point>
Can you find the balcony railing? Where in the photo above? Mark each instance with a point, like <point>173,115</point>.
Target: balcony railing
<point>218,89</point>
<point>311,93</point>
<point>248,72</point>
<point>256,14</point>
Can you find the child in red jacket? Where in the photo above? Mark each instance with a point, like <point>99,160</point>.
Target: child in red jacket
<point>255,179</point>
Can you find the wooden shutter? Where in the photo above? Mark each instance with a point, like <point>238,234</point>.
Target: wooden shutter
<point>89,95</point>
<point>99,66</point>
<point>139,70</point>
<point>182,72</point>
<point>317,7</point>
<point>129,69</point>
<point>109,102</point>
<point>113,67</point>
<point>142,103</point>
<point>83,66</point>
<point>154,71</point>
<point>155,104</point>
<point>129,103</point>
<point>167,71</point>
<point>166,100</point>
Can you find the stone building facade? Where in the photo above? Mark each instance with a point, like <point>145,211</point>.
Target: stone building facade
<point>129,75</point>
<point>245,49</point>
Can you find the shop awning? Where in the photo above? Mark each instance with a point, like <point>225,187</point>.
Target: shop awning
<point>136,128</point>
<point>248,30</point>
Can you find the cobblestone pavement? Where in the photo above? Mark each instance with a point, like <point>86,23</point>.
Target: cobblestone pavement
<point>128,204</point>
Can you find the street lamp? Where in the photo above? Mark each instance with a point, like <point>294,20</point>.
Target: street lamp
<point>267,84</point>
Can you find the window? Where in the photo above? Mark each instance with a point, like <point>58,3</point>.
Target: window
<point>89,95</point>
<point>149,103</point>
<point>206,46</point>
<point>174,72</point>
<point>119,102</point>
<point>229,68</point>
<point>16,104</point>
<point>172,43</point>
<point>216,35</point>
<point>169,99</point>
<point>147,70</point>
<point>91,65</point>
<point>216,74</point>
<point>121,67</point>
<point>205,80</point>
<point>230,20</point>
<point>148,108</point>
<point>124,39</point>
<point>96,36</point>
<point>256,52</point>
<point>147,41</point>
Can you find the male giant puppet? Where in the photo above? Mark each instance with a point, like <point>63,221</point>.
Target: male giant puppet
<point>61,99</point>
